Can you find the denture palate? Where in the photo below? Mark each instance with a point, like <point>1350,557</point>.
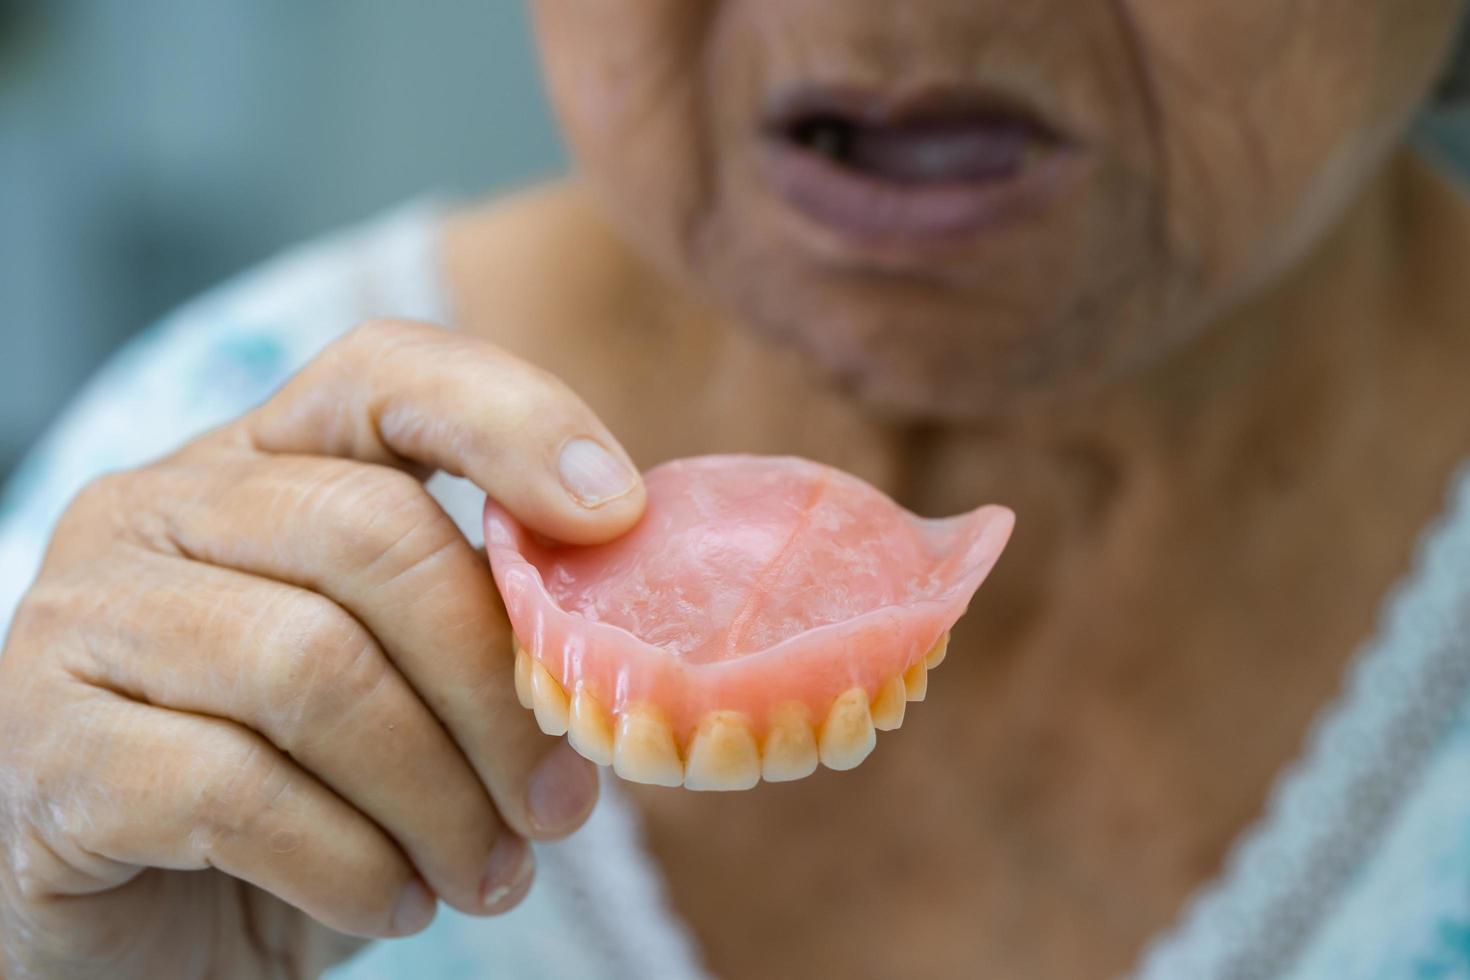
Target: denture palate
<point>727,750</point>
<point>766,616</point>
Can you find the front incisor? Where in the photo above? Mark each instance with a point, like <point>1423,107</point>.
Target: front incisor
<point>847,733</point>
<point>790,751</point>
<point>643,748</point>
<point>552,710</point>
<point>590,731</point>
<point>723,754</point>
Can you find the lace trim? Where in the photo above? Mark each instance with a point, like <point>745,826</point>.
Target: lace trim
<point>1363,756</point>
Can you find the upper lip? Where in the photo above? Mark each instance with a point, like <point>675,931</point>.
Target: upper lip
<point>799,104</point>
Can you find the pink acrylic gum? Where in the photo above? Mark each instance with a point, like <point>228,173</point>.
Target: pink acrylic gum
<point>817,695</point>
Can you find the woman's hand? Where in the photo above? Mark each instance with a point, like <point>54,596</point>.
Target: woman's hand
<point>268,676</point>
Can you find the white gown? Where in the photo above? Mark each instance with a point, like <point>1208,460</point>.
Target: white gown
<point>1359,869</point>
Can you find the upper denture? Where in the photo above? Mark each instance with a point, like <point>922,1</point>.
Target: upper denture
<point>764,613</point>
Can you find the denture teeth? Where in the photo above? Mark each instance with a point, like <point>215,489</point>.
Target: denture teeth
<point>847,733</point>
<point>523,676</point>
<point>935,656</point>
<point>590,731</point>
<point>790,751</point>
<point>723,754</point>
<point>916,681</point>
<point>889,704</point>
<point>549,701</point>
<point>644,750</point>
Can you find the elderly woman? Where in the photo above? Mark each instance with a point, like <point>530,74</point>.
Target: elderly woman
<point>1163,277</point>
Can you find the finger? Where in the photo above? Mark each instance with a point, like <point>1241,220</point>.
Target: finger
<point>375,542</point>
<point>394,391</point>
<point>163,789</point>
<point>300,671</point>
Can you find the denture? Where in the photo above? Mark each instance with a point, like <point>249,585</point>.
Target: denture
<point>767,614</point>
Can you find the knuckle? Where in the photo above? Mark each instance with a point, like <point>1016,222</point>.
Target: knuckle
<point>47,611</point>
<point>522,413</point>
<point>386,519</point>
<point>346,352</point>
<point>516,407</point>
<point>107,489</point>
<point>118,506</point>
<point>100,502</point>
<point>326,667</point>
<point>385,328</point>
<point>57,624</point>
<point>371,337</point>
<point>405,530</point>
<point>245,784</point>
<point>390,494</point>
<point>529,396</point>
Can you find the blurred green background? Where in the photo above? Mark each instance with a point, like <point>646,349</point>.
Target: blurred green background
<point>149,148</point>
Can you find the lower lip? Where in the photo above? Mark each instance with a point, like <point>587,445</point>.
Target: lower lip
<point>872,210</point>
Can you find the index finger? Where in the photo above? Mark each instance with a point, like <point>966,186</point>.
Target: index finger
<point>405,393</point>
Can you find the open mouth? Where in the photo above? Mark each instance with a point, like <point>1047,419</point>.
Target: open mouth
<point>942,165</point>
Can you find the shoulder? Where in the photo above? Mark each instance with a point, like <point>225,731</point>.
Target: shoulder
<point>545,276</point>
<point>547,249</point>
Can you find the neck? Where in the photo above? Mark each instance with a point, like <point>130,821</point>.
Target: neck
<point>1286,376</point>
<point>1302,371</point>
<point>1301,394</point>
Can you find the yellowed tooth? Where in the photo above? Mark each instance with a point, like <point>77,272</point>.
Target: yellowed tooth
<point>722,754</point>
<point>644,750</point>
<point>935,656</point>
<point>549,701</point>
<point>888,705</point>
<point>590,730</point>
<point>916,681</point>
<point>847,734</point>
<point>523,677</point>
<point>790,751</point>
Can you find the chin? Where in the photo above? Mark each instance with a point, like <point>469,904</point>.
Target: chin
<point>1041,307</point>
<point>920,357</point>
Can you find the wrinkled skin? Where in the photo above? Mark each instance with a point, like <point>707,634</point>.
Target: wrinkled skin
<point>1220,141</point>
<point>246,668</point>
<point>1189,374</point>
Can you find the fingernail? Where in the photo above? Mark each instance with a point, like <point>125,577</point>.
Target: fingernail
<point>415,909</point>
<point>507,872</point>
<point>562,791</point>
<point>593,475</point>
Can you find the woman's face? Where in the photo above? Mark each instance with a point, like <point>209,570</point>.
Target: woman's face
<point>959,206</point>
